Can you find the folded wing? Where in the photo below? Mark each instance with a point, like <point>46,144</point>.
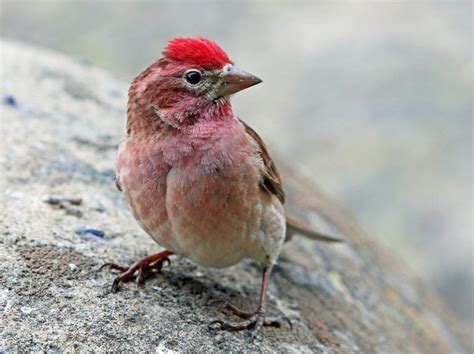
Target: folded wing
<point>271,183</point>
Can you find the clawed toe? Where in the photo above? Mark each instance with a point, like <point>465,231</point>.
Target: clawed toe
<point>112,266</point>
<point>252,320</point>
<point>126,274</point>
<point>147,269</point>
<point>276,322</point>
<point>236,311</point>
<point>140,270</point>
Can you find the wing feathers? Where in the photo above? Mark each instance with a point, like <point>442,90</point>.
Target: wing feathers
<point>271,180</point>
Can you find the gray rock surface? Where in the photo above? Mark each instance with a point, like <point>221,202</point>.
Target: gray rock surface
<point>60,122</point>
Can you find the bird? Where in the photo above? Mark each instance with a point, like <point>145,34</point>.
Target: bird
<point>199,180</point>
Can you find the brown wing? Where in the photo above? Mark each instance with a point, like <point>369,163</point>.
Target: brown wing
<point>117,184</point>
<point>271,180</point>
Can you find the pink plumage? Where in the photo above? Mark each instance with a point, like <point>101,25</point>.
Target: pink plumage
<point>197,51</point>
<point>199,180</point>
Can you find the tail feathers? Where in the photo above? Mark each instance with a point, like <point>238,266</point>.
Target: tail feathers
<point>295,226</point>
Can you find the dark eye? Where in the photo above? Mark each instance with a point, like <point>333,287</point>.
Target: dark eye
<point>193,77</point>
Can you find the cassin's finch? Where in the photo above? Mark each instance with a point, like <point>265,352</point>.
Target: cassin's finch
<point>199,180</point>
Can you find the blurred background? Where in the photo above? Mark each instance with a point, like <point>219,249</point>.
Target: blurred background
<point>374,100</point>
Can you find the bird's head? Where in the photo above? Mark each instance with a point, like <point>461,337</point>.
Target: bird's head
<point>191,81</point>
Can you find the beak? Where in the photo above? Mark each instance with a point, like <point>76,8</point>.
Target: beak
<point>235,80</point>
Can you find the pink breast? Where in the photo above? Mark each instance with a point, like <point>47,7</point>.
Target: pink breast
<point>141,172</point>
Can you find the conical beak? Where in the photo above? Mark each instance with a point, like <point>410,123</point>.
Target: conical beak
<point>235,80</point>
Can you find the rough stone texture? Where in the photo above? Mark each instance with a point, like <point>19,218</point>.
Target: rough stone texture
<point>60,122</point>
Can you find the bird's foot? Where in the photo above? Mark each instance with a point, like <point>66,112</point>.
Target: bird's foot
<point>254,320</point>
<point>140,270</point>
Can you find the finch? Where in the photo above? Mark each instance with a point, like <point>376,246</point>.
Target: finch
<point>198,179</point>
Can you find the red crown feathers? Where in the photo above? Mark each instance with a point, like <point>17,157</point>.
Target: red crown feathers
<point>197,51</point>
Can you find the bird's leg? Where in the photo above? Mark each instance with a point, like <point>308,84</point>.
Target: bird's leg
<point>256,319</point>
<point>141,269</point>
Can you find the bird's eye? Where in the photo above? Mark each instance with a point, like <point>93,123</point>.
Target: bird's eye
<point>193,77</point>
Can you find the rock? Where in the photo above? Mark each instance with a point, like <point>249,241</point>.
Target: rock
<point>86,231</point>
<point>60,137</point>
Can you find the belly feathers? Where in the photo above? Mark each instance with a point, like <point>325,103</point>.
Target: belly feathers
<point>213,217</point>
